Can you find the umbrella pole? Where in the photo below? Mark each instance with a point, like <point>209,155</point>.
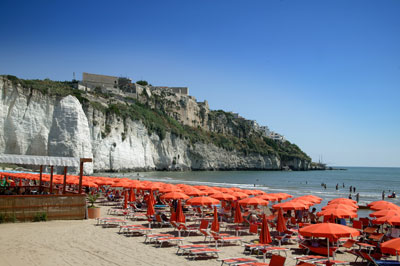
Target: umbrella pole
<point>327,240</point>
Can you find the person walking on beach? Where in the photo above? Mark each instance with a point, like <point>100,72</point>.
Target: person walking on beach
<point>350,196</point>
<point>351,189</point>
<point>354,189</point>
<point>383,195</point>
<point>337,186</point>
<point>358,197</point>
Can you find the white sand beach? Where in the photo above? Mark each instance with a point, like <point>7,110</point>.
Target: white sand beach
<point>83,243</point>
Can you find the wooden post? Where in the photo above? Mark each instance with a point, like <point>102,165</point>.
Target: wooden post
<point>80,177</point>
<point>40,178</point>
<point>65,179</point>
<point>82,160</point>
<point>51,179</point>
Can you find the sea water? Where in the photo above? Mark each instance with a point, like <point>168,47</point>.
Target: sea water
<point>368,181</point>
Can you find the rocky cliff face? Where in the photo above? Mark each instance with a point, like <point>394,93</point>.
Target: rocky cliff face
<point>39,124</point>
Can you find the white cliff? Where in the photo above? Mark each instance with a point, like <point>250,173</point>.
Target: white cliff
<point>37,124</point>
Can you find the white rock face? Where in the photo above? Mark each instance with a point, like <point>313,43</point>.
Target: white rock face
<point>36,124</point>
<point>69,135</point>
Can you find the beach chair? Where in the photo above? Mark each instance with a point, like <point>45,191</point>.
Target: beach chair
<point>272,250</point>
<point>309,258</point>
<point>357,225</point>
<point>138,230</point>
<point>223,238</point>
<point>169,240</point>
<point>203,252</point>
<point>276,260</point>
<point>236,261</point>
<point>154,237</point>
<point>160,222</point>
<point>302,263</point>
<point>188,229</point>
<point>249,248</point>
<point>186,248</point>
<point>378,262</point>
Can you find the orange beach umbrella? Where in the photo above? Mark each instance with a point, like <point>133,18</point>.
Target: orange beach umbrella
<point>175,195</point>
<point>201,201</point>
<point>180,217</point>
<point>265,236</point>
<point>330,230</point>
<point>223,196</point>
<point>254,201</point>
<point>338,213</point>
<point>132,195</point>
<point>125,199</point>
<point>281,223</point>
<point>392,220</point>
<point>150,205</point>
<point>215,223</point>
<point>238,215</point>
<point>392,247</point>
<point>383,213</point>
<point>291,205</point>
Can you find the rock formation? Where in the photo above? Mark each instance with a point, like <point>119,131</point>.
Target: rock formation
<point>37,123</point>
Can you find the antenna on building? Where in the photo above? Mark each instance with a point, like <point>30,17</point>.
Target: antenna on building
<point>73,76</point>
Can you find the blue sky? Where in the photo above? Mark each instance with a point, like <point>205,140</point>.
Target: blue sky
<point>326,74</point>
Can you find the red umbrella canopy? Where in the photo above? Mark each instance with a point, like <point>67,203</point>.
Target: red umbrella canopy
<point>291,205</point>
<point>180,217</point>
<point>194,192</point>
<point>281,222</point>
<point>238,215</point>
<point>343,200</point>
<point>329,230</point>
<point>125,199</point>
<point>223,196</point>
<point>169,188</point>
<point>384,206</point>
<point>281,196</point>
<point>239,195</point>
<point>201,201</point>
<point>175,195</point>
<point>340,206</point>
<point>392,220</point>
<point>267,197</point>
<point>265,236</point>
<point>254,201</point>
<point>382,213</point>
<point>311,198</point>
<point>132,197</point>
<point>215,223</point>
<point>152,186</point>
<point>150,205</point>
<point>338,213</point>
<point>378,202</point>
<point>392,246</point>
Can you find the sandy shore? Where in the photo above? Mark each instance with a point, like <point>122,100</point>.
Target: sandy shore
<point>83,243</point>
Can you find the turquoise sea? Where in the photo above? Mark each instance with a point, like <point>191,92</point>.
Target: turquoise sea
<point>369,181</point>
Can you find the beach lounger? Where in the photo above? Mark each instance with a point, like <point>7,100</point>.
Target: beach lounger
<point>249,248</point>
<point>151,237</point>
<point>331,262</point>
<point>309,258</point>
<point>276,260</point>
<point>223,238</point>
<point>170,240</point>
<point>184,248</point>
<point>236,261</point>
<point>124,228</point>
<point>138,230</point>
<point>271,250</point>
<point>201,252</point>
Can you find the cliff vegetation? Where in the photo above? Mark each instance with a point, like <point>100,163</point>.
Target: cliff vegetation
<point>159,115</point>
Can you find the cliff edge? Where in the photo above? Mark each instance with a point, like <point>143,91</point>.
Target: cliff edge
<point>158,130</point>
